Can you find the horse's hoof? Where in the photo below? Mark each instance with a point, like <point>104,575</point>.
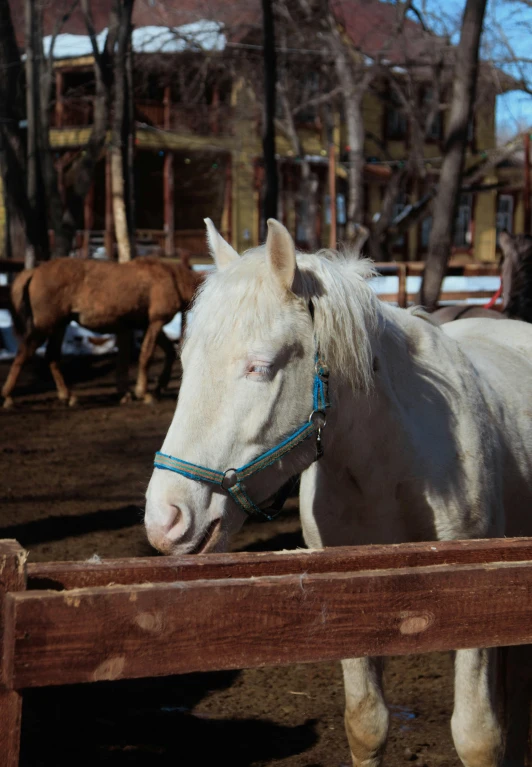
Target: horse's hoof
<point>127,398</point>
<point>149,399</point>
<point>73,401</point>
<point>8,403</point>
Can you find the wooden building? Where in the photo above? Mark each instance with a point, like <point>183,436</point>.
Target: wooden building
<point>200,159</point>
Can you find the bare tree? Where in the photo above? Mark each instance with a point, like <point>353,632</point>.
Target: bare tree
<point>13,161</point>
<point>268,125</point>
<point>465,80</point>
<point>31,156</point>
<point>121,129</point>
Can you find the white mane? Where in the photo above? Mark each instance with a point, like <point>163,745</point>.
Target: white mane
<point>242,299</point>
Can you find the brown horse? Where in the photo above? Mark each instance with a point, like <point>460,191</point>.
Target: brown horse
<point>516,278</point>
<point>105,297</point>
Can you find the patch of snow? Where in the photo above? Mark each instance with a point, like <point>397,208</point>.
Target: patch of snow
<point>202,35</point>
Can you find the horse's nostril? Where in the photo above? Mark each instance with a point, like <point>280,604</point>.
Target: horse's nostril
<point>172,528</point>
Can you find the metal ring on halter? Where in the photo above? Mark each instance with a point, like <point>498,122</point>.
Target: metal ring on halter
<point>232,479</point>
<point>318,418</point>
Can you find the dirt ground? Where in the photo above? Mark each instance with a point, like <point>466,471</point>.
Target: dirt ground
<point>73,481</point>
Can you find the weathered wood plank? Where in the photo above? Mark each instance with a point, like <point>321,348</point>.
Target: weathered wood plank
<point>12,578</point>
<point>159,629</point>
<point>71,575</point>
<point>416,268</point>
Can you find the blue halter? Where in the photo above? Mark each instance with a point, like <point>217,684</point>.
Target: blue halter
<point>231,480</point>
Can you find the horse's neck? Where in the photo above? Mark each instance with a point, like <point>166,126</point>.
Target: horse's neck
<point>414,365</point>
<point>382,447</point>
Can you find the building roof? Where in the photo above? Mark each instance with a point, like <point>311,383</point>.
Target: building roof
<point>372,26</point>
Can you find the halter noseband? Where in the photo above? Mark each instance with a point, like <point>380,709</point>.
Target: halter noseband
<point>231,480</point>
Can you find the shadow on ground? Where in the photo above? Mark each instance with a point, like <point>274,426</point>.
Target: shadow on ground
<point>149,723</point>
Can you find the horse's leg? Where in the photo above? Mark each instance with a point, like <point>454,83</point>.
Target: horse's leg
<point>169,359</point>
<point>146,352</point>
<point>366,714</point>
<point>123,342</point>
<point>475,725</point>
<point>52,357</point>
<point>27,347</point>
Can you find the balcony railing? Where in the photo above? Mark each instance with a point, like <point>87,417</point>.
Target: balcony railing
<point>199,119</point>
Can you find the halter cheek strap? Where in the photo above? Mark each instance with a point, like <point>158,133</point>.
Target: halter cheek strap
<point>232,480</point>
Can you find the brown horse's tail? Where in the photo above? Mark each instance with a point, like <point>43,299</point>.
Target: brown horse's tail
<point>20,305</point>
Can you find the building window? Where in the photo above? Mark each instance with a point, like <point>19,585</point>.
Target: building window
<point>340,209</point>
<point>396,123</point>
<point>462,225</point>
<point>505,213</point>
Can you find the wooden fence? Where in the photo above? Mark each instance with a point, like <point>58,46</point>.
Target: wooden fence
<point>401,270</point>
<point>64,623</point>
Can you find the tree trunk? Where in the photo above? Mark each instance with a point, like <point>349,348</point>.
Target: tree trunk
<point>353,85</point>
<point>445,204</point>
<point>118,150</point>
<point>355,137</point>
<point>34,178</point>
<point>308,183</point>
<point>268,130</point>
<point>378,240</point>
<point>84,169</point>
<point>129,137</point>
<point>62,223</point>
<point>13,161</point>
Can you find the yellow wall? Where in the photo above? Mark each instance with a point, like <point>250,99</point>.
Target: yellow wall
<point>244,145</point>
<point>485,231</point>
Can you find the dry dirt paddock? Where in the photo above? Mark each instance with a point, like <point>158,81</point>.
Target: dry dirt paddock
<point>73,481</point>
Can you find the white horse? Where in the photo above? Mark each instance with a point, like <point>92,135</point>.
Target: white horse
<point>426,438</point>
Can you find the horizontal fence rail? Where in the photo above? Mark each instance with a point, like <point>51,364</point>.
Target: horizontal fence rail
<point>71,622</point>
<point>194,241</point>
<point>166,615</point>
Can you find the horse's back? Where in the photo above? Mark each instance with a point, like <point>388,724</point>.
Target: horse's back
<point>493,338</point>
<point>501,353</point>
<point>460,312</point>
<point>50,287</point>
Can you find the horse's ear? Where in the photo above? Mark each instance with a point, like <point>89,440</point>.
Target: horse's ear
<point>222,253</point>
<point>281,254</point>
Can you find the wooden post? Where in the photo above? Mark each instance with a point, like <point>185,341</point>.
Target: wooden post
<point>167,106</point>
<point>527,183</point>
<point>214,112</point>
<point>59,103</point>
<point>332,196</point>
<point>168,197</point>
<point>60,166</point>
<point>12,578</point>
<point>108,207</point>
<point>402,297</point>
<point>88,219</point>
<point>227,217</point>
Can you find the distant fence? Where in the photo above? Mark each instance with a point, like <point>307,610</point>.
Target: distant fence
<point>66,623</point>
<point>404,270</point>
<point>188,240</point>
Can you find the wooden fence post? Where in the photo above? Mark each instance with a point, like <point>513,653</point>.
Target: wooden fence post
<point>12,578</point>
<point>402,295</point>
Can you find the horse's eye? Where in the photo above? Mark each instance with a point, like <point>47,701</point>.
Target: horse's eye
<point>258,370</point>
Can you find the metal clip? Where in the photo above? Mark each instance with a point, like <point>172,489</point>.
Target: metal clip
<point>229,480</point>
<point>319,446</point>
